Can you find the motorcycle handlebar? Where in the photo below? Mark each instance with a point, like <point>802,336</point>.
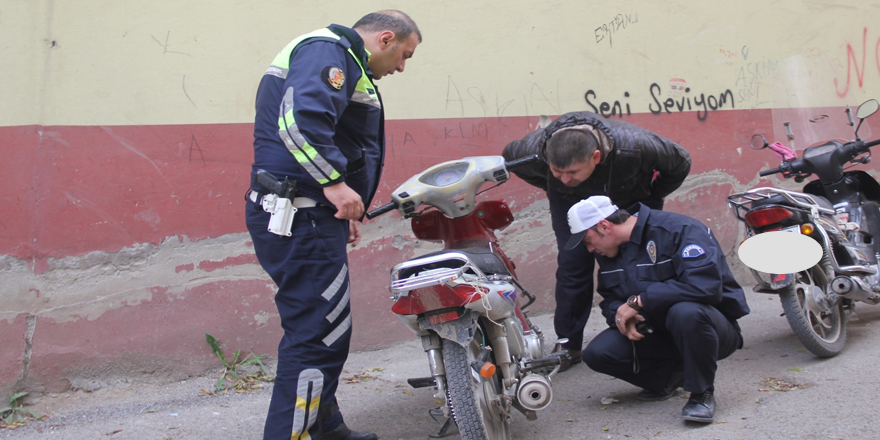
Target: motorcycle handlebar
<point>508,165</point>
<point>520,162</point>
<point>870,144</point>
<point>856,148</point>
<point>769,172</point>
<point>848,151</point>
<point>381,210</point>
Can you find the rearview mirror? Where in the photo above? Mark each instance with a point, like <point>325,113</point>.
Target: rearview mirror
<point>759,142</point>
<point>867,108</point>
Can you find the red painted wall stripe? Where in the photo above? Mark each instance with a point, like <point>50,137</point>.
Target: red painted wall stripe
<point>73,190</point>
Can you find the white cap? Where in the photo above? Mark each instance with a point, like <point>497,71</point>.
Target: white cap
<point>586,214</point>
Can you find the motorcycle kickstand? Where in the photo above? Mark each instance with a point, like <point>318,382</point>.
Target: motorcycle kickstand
<point>444,425</point>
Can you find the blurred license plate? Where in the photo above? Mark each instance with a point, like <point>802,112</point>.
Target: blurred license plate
<point>795,228</point>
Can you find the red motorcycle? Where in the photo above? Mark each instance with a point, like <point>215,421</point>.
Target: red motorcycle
<point>484,355</point>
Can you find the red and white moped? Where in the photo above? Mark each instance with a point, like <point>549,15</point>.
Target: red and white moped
<point>484,355</point>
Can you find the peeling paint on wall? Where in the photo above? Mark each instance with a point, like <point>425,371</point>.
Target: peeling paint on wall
<point>126,238</point>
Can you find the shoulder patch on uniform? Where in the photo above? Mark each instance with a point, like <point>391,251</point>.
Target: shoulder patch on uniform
<point>333,77</point>
<point>692,251</point>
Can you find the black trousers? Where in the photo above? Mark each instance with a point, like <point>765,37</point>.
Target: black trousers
<point>696,336</point>
<point>574,277</point>
<point>310,269</point>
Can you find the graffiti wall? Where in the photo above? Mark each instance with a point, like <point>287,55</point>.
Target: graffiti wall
<point>127,130</point>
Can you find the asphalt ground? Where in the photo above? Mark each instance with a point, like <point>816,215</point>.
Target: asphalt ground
<point>771,389</point>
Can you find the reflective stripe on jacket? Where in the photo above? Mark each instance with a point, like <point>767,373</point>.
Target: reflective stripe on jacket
<point>319,116</point>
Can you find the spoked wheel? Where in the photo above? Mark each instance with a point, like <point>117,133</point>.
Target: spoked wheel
<point>474,400</point>
<point>820,326</point>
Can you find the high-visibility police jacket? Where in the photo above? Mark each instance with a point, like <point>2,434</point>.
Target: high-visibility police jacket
<point>319,118</point>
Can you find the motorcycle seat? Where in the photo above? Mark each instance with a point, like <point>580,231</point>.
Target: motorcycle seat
<point>780,200</point>
<point>483,258</point>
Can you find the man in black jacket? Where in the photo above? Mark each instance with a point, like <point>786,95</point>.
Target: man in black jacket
<point>585,155</point>
<point>668,296</point>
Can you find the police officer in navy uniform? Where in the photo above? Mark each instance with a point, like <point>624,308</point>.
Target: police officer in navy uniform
<point>669,297</point>
<point>320,123</point>
<point>584,155</point>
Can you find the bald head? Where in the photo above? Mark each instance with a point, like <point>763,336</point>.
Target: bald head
<point>389,20</point>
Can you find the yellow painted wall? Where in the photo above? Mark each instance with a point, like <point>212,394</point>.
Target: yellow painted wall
<point>102,62</point>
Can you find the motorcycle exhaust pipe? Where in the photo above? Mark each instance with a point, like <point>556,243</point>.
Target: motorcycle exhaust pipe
<point>848,287</point>
<point>535,392</point>
<point>842,285</point>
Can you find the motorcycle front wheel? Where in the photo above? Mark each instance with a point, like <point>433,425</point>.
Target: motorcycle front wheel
<point>821,329</point>
<point>473,399</point>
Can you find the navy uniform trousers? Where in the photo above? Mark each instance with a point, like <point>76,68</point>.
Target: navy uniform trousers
<point>695,337</point>
<point>311,271</point>
<point>574,273</point>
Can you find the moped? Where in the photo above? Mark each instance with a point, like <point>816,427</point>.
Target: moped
<point>485,357</point>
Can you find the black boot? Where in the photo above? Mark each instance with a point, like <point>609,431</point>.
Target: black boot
<point>700,407</point>
<point>675,381</point>
<point>567,357</point>
<point>341,432</point>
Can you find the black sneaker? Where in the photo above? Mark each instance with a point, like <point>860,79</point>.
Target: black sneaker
<point>675,381</point>
<point>700,407</point>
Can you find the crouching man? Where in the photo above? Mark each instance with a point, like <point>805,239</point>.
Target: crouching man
<point>669,298</point>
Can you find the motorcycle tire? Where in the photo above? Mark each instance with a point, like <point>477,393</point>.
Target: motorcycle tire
<point>470,396</point>
<point>823,333</point>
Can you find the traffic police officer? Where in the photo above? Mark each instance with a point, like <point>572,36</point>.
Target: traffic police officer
<point>669,298</point>
<point>320,123</point>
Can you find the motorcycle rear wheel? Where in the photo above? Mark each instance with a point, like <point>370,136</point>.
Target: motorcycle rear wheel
<point>473,398</point>
<point>822,331</point>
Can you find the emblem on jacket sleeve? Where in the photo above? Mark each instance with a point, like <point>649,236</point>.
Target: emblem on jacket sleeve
<point>692,251</point>
<point>652,251</point>
<point>334,77</point>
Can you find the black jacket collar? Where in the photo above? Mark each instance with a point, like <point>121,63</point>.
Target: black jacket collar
<point>642,212</point>
<point>357,44</point>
